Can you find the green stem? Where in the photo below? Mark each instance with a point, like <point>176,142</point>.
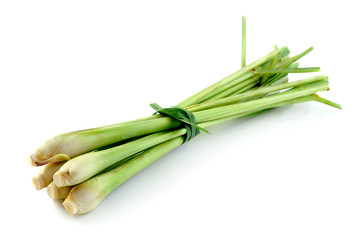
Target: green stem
<point>232,87</point>
<point>288,70</point>
<point>278,76</point>
<point>245,88</point>
<point>272,64</point>
<point>254,93</point>
<point>231,84</point>
<point>254,105</point>
<point>328,102</point>
<point>236,88</point>
<point>243,42</point>
<point>293,59</point>
<point>195,98</point>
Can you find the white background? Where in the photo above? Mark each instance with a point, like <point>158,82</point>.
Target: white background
<point>69,65</point>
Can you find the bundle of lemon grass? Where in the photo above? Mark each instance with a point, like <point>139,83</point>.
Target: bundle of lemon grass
<point>83,167</point>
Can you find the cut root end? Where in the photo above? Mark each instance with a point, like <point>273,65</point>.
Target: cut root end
<point>38,182</point>
<point>57,193</point>
<point>59,179</point>
<point>53,191</point>
<point>71,206</point>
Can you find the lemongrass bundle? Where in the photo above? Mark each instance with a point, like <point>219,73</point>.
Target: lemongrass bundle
<point>84,166</point>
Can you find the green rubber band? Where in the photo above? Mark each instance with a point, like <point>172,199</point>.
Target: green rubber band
<point>186,117</point>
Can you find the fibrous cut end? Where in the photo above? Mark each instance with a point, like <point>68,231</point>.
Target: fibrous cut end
<point>59,179</point>
<point>57,193</point>
<point>53,191</point>
<point>71,206</point>
<point>38,182</point>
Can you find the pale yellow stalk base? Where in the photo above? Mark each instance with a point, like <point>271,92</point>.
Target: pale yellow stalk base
<point>45,175</point>
<point>57,193</point>
<point>71,207</point>
<point>38,182</point>
<point>85,197</point>
<point>59,179</point>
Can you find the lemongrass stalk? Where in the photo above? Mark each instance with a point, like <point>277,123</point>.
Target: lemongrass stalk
<point>68,145</point>
<point>82,167</point>
<point>254,93</point>
<point>57,193</point>
<point>307,98</point>
<point>288,70</point>
<point>45,175</point>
